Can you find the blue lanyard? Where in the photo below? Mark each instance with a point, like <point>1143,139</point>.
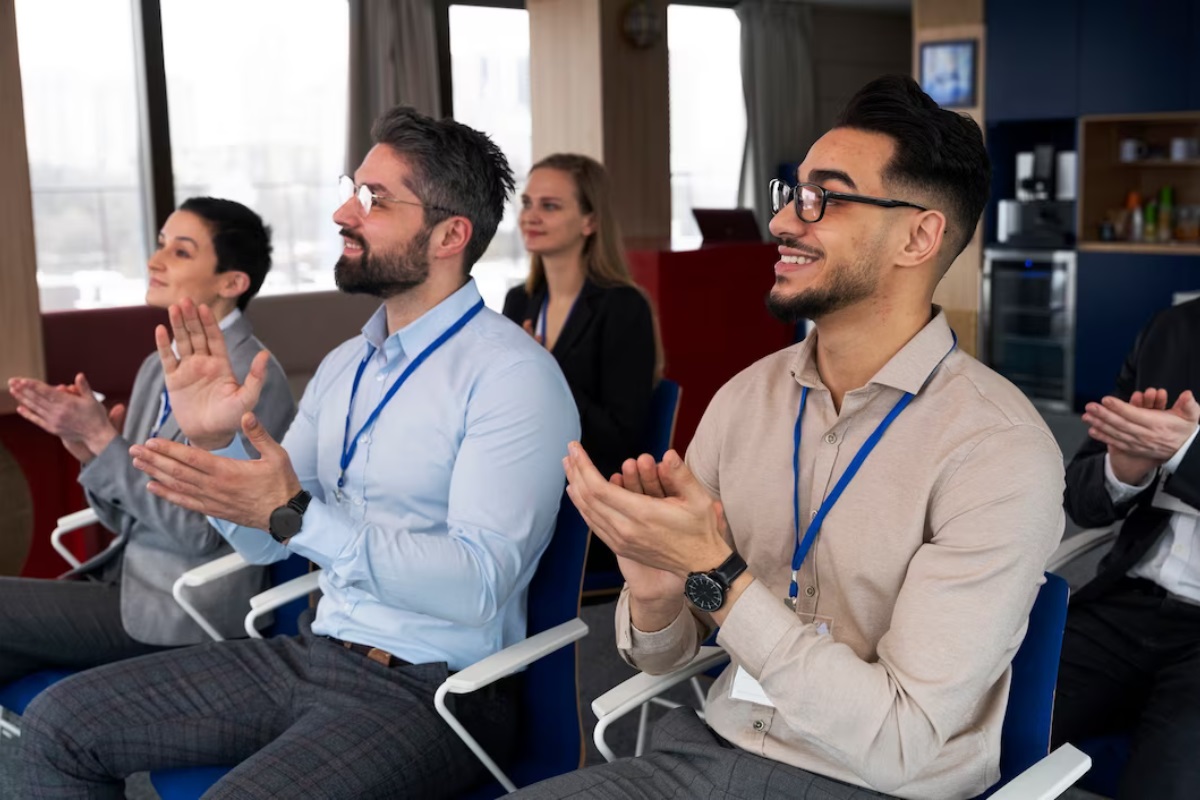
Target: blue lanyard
<point>162,417</point>
<point>542,319</point>
<point>810,533</point>
<point>350,445</point>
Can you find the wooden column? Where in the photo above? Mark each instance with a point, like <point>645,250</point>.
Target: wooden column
<point>959,291</point>
<point>593,92</point>
<point>20,315</point>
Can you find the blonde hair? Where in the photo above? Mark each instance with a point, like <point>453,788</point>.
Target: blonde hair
<point>603,257</point>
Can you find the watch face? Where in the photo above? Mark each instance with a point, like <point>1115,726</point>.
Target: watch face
<point>285,523</point>
<point>704,592</point>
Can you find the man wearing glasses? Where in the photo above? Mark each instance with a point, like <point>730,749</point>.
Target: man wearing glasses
<point>866,515</point>
<point>422,474</point>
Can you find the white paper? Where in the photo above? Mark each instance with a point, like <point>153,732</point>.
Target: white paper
<point>746,688</point>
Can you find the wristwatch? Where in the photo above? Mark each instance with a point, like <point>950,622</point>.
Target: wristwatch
<point>707,590</point>
<point>286,520</point>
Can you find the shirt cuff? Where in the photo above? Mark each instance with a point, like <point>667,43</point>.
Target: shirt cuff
<point>1177,459</point>
<point>1118,491</point>
<point>754,627</point>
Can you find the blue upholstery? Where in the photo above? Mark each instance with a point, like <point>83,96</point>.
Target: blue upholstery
<point>550,739</point>
<point>1025,737</point>
<point>17,695</point>
<point>664,409</point>
<point>551,733</point>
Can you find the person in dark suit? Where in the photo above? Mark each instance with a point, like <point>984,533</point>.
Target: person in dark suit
<point>1131,653</point>
<point>582,305</point>
<point>118,604</point>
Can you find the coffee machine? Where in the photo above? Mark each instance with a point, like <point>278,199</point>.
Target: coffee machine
<point>1042,215</point>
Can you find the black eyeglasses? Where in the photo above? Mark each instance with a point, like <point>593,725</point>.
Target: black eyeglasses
<point>810,200</point>
<point>347,188</point>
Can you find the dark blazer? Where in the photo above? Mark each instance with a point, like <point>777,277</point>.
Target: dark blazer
<point>606,352</point>
<point>1166,355</point>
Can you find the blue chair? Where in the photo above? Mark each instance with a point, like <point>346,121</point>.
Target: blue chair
<point>1110,753</point>
<point>17,695</point>
<point>664,412</point>
<point>1027,768</point>
<point>550,737</point>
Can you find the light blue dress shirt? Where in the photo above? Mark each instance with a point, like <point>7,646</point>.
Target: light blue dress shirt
<point>451,497</point>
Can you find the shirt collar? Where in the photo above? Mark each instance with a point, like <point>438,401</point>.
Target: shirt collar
<point>907,371</point>
<point>421,332</point>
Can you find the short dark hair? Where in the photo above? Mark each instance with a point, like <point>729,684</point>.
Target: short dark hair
<point>453,167</point>
<point>938,152</point>
<point>242,241</point>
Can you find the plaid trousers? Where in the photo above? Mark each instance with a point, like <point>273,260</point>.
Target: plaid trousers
<point>687,759</point>
<point>300,716</point>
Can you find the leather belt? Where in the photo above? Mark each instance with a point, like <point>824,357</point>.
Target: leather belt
<point>374,653</point>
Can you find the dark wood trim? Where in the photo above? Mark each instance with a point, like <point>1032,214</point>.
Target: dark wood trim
<point>157,124</point>
<point>441,22</point>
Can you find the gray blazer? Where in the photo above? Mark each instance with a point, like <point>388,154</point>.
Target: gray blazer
<point>158,541</point>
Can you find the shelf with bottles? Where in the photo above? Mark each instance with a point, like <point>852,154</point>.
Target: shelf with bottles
<point>1144,162</point>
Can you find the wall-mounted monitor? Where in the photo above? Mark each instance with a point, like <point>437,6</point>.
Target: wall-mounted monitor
<point>949,72</point>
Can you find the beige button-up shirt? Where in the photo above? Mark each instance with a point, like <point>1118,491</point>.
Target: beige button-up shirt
<point>923,573</point>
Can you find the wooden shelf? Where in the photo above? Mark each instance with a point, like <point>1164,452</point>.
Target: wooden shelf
<point>1105,182</point>
<point>1160,162</point>
<point>1179,249</point>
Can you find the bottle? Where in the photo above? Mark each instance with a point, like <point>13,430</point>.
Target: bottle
<point>1150,224</point>
<point>1166,208</point>
<point>1136,223</point>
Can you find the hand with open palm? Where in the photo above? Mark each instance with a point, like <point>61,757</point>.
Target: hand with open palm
<point>207,400</point>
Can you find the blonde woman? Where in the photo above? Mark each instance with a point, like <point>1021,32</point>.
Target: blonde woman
<point>580,302</point>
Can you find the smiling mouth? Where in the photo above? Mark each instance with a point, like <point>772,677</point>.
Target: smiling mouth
<point>798,259</point>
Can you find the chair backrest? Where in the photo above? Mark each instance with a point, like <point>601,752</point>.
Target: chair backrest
<point>664,411</point>
<point>551,735</point>
<point>287,617</point>
<point>1025,736</point>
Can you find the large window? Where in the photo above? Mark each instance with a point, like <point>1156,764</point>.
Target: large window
<point>82,130</point>
<point>260,118</point>
<point>256,97</point>
<point>489,61</point>
<point>708,114</point>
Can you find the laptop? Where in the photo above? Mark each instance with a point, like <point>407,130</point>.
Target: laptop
<point>721,225</point>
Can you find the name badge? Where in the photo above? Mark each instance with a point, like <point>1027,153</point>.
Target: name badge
<point>747,689</point>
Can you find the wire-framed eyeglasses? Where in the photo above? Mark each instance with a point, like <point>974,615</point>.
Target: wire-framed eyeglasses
<point>810,200</point>
<point>347,188</point>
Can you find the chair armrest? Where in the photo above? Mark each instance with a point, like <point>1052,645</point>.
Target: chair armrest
<point>71,522</point>
<point>266,602</point>
<point>495,667</point>
<point>1080,545</point>
<point>211,571</point>
<point>634,692</point>
<point>1049,777</point>
<point>626,696</point>
<point>201,576</point>
<point>514,657</point>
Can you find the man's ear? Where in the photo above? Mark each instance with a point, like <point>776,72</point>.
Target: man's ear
<point>233,283</point>
<point>925,235</point>
<point>450,237</point>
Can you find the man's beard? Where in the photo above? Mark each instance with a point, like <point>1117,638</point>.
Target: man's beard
<point>844,286</point>
<point>386,274</point>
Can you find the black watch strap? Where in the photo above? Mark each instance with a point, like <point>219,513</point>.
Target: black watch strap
<point>729,570</point>
<point>300,501</point>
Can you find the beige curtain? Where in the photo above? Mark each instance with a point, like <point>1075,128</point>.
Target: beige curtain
<point>393,61</point>
<point>777,82</point>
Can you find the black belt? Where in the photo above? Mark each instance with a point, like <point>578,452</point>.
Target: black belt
<point>374,653</point>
